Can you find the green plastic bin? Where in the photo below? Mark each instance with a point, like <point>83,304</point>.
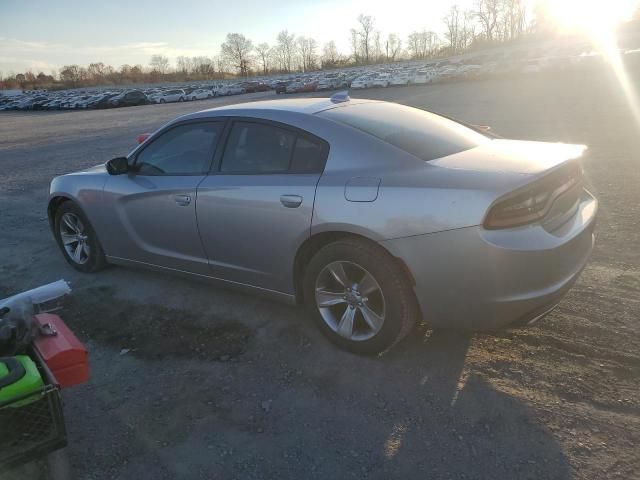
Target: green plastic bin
<point>19,376</point>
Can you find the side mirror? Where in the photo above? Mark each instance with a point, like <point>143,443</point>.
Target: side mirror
<point>118,166</point>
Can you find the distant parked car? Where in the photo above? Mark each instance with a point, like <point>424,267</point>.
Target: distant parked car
<point>401,78</point>
<point>281,87</point>
<point>235,89</point>
<point>252,87</point>
<point>169,96</point>
<point>329,83</point>
<point>361,82</point>
<point>101,101</point>
<point>381,80</point>
<point>294,87</point>
<point>128,99</point>
<point>420,77</point>
<point>201,94</point>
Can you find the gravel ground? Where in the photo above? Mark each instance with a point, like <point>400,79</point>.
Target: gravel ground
<point>215,384</point>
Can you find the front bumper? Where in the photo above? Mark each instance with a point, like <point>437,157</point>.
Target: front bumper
<point>477,279</point>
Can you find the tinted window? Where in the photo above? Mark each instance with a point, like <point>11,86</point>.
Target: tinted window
<point>186,149</point>
<point>257,148</point>
<point>308,156</point>
<point>426,135</point>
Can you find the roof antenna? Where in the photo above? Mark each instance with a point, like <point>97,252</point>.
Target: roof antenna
<point>340,97</point>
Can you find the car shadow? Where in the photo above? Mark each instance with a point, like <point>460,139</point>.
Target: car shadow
<point>467,427</point>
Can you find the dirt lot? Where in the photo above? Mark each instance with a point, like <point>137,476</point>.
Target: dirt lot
<point>217,384</point>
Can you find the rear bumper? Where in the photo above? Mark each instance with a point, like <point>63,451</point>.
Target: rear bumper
<point>477,279</point>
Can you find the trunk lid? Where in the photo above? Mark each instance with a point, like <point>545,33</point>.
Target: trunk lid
<point>512,156</point>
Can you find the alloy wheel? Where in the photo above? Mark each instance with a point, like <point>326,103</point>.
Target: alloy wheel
<point>74,239</point>
<point>350,300</point>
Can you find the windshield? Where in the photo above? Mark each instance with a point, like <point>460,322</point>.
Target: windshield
<point>426,135</point>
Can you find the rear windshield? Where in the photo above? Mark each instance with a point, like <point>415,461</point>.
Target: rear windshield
<point>426,135</point>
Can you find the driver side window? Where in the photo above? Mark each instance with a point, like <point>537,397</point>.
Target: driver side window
<point>183,150</point>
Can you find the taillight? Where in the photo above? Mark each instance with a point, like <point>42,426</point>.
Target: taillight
<point>532,203</point>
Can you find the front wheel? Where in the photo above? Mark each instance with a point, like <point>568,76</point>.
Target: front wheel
<point>359,296</point>
<point>77,239</point>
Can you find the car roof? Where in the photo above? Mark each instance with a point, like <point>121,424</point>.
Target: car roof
<point>298,105</point>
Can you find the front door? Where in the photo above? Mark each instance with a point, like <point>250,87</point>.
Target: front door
<point>152,214</point>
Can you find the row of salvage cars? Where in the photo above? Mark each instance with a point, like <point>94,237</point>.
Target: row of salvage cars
<point>114,98</point>
<point>481,65</point>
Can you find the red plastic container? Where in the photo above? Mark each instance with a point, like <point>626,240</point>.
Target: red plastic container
<point>64,354</point>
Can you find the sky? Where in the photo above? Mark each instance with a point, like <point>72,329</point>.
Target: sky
<point>42,35</point>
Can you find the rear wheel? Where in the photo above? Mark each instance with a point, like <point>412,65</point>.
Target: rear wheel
<point>359,296</point>
<point>77,239</point>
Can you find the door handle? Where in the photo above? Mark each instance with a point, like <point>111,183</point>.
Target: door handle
<point>182,200</point>
<point>291,201</point>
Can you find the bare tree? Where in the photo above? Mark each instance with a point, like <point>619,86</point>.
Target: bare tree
<point>488,12</point>
<point>237,50</point>
<point>355,45</point>
<point>68,74</point>
<point>422,44</point>
<point>330,55</point>
<point>307,49</point>
<point>469,25</point>
<point>159,64</point>
<point>513,18</point>
<point>393,46</point>
<point>365,33</point>
<point>453,34</point>
<point>286,49</point>
<point>312,54</point>
<point>377,46</point>
<point>263,50</point>
<point>182,64</point>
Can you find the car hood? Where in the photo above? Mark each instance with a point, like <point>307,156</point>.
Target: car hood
<point>512,156</point>
<point>101,168</point>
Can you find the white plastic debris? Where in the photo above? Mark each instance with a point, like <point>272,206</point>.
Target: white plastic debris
<point>39,296</point>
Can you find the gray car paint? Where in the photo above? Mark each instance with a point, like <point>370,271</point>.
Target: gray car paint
<point>428,214</point>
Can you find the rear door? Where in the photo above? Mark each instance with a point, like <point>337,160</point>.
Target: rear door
<point>255,209</point>
<point>153,209</point>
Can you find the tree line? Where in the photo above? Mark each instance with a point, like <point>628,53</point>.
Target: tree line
<point>488,22</point>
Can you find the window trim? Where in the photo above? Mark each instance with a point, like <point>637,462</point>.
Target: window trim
<point>297,132</point>
<point>207,168</point>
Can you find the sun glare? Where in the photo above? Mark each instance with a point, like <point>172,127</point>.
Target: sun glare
<point>594,17</point>
<point>599,20</point>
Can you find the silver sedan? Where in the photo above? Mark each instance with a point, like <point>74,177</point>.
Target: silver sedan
<point>374,215</point>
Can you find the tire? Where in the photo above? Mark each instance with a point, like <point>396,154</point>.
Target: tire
<point>181,99</point>
<point>91,259</point>
<point>162,100</point>
<point>389,301</point>
<point>193,99</point>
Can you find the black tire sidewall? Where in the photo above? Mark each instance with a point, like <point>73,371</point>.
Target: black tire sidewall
<point>96,256</point>
<point>392,282</point>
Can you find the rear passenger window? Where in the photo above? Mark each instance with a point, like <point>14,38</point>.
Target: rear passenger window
<point>260,148</point>
<point>308,156</point>
<point>257,148</point>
